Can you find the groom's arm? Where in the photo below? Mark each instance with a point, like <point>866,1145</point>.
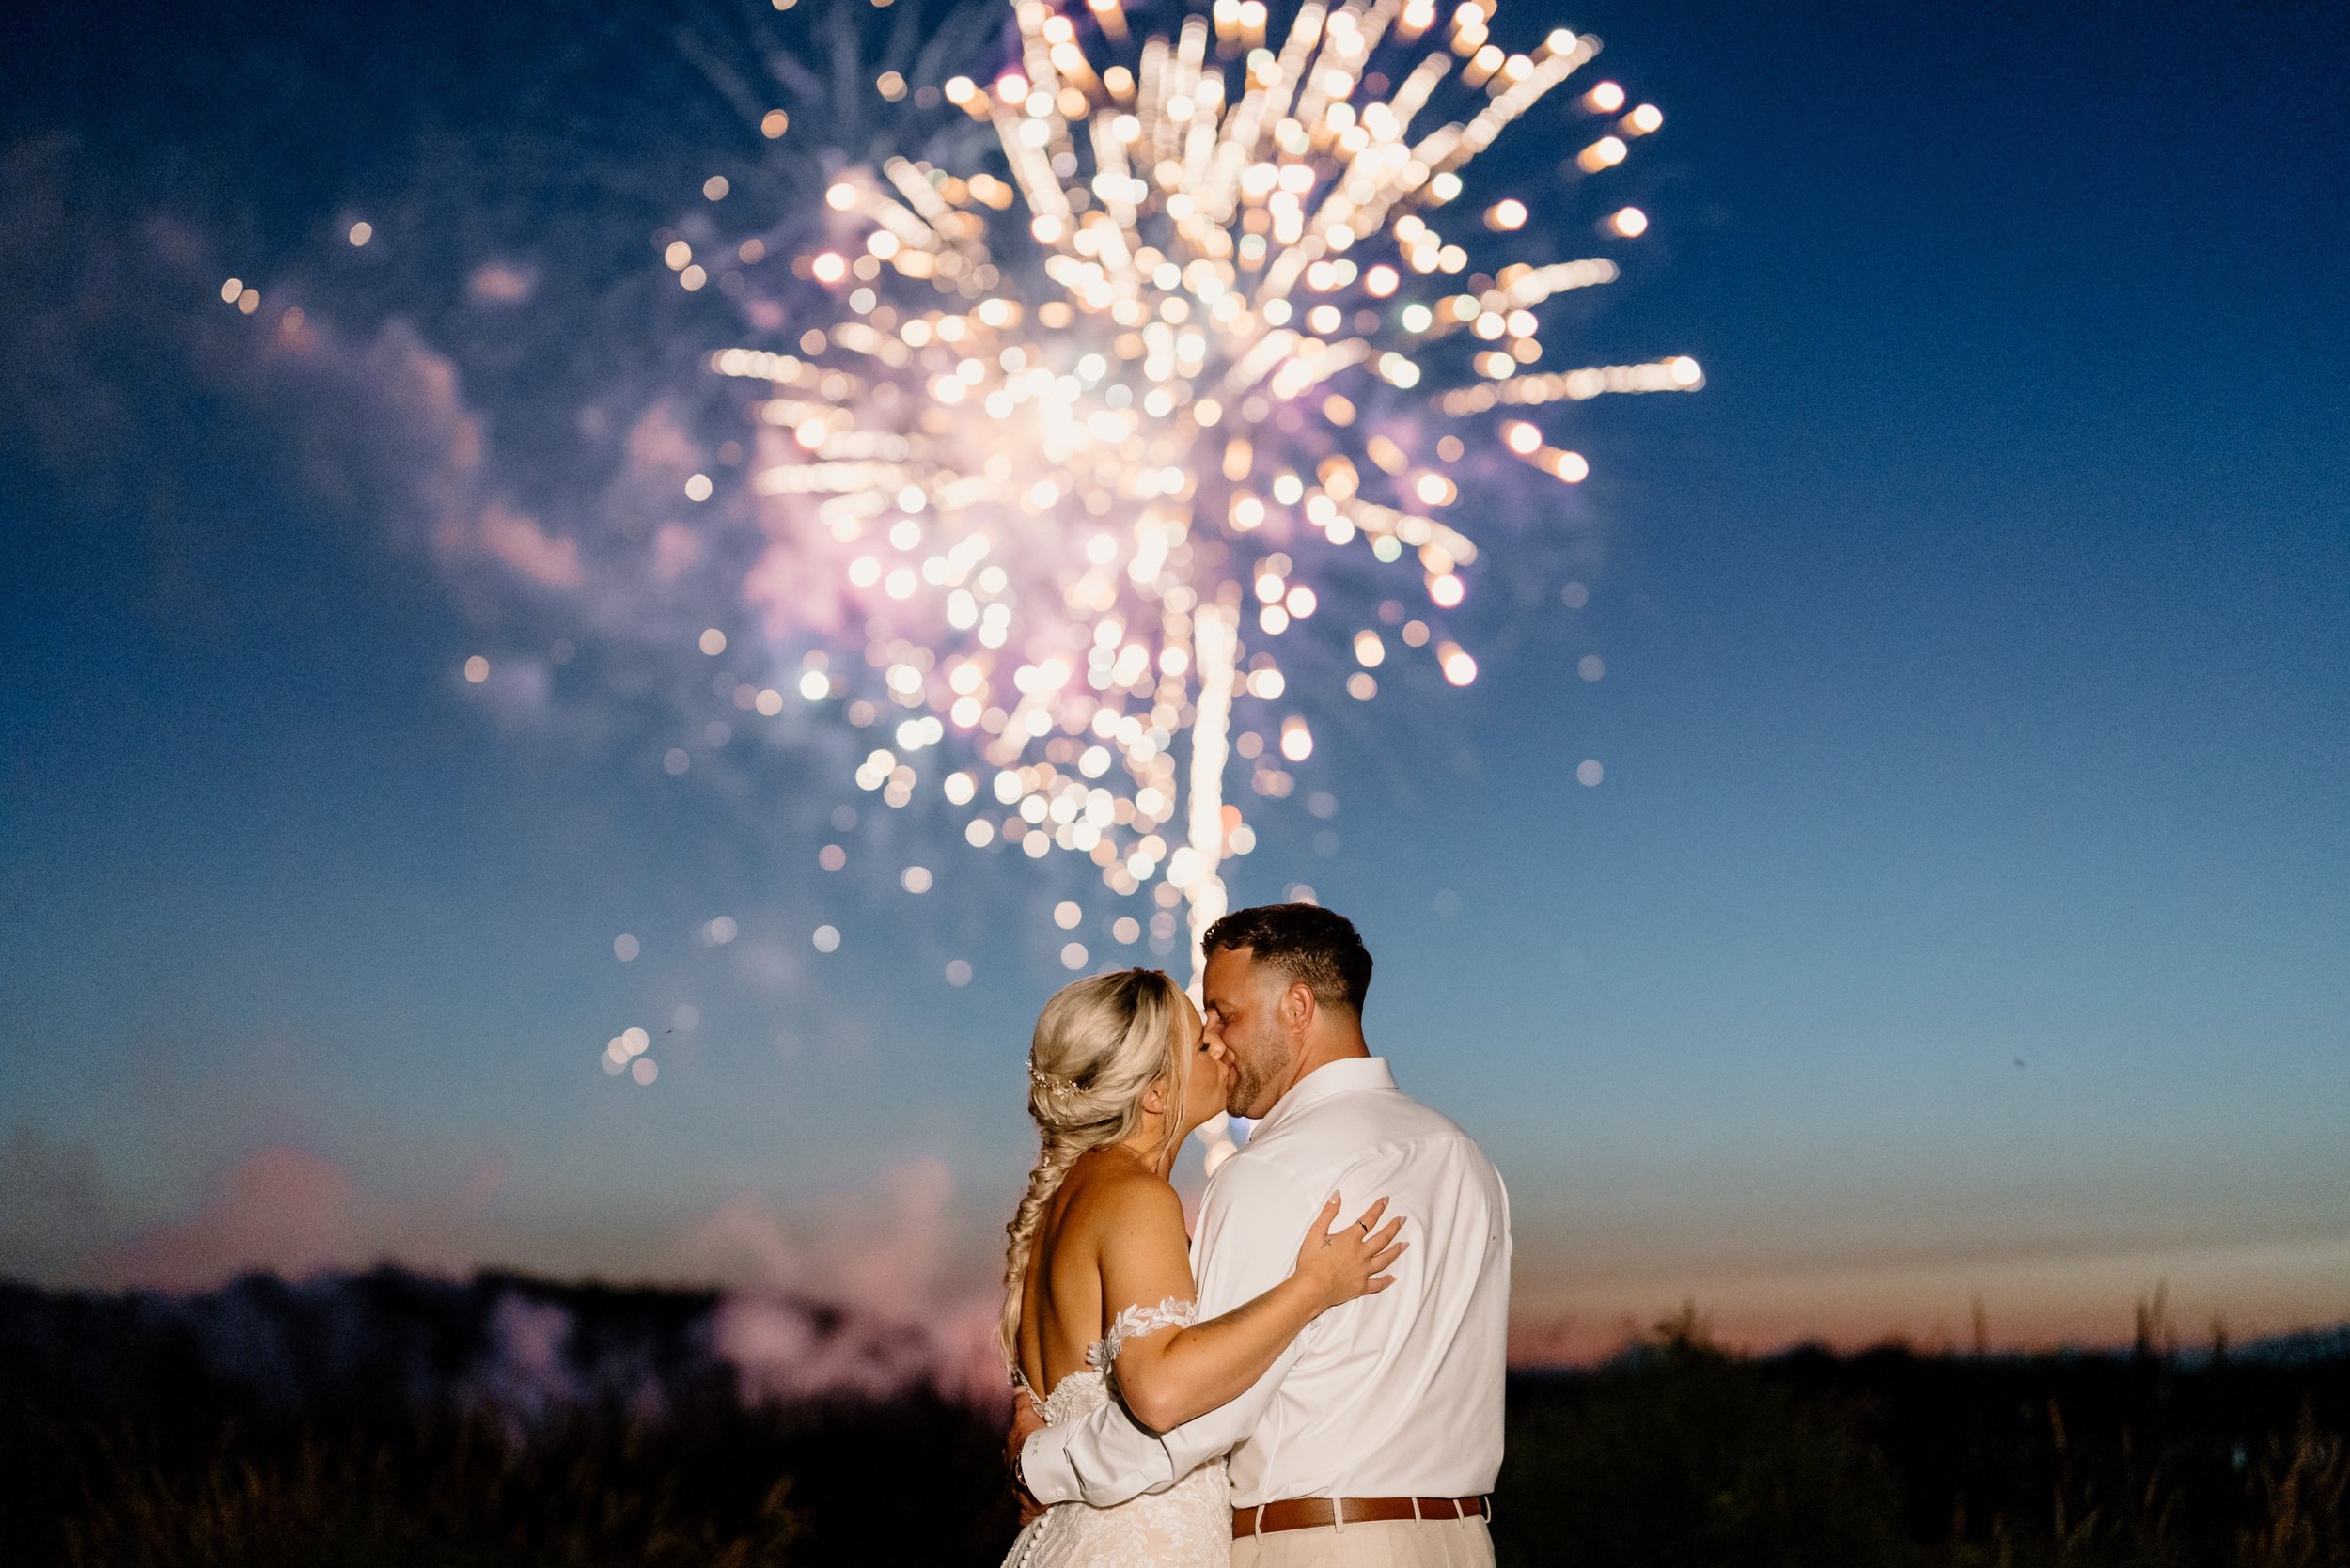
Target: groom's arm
<point>1102,1460</point>
<point>1250,1224</point>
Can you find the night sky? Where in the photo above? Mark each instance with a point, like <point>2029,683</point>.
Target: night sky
<point>1964,914</point>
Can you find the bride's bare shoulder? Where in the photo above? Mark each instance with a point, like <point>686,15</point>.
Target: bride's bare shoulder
<point>1116,1198</point>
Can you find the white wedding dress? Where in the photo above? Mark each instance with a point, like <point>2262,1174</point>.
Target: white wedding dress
<point>1187,1525</point>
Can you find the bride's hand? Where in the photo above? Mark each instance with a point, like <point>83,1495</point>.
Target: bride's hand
<point>1345,1263</point>
<point>1026,1421</point>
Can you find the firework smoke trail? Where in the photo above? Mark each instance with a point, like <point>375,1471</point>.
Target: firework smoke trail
<point>1046,431</point>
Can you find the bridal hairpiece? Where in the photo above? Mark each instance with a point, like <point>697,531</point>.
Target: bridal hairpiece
<point>1058,1090</point>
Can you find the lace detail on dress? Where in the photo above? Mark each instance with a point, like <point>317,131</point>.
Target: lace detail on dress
<point>1187,1525</point>
<point>1133,1323</point>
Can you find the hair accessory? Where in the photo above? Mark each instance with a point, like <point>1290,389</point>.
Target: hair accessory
<point>1058,1090</point>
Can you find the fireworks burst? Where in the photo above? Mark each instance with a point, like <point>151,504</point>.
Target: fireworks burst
<point>1074,437</point>
<point>1061,428</point>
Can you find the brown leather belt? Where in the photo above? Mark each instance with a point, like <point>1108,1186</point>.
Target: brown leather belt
<point>1310,1513</point>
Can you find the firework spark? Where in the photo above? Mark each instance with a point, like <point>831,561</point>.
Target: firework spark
<point>1075,436</point>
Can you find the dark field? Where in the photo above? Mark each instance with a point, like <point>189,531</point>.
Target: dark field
<point>388,1419</point>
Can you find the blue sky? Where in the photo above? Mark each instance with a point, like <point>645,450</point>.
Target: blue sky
<point>1964,912</point>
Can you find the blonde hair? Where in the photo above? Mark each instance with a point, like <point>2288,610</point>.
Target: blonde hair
<point>1099,1043</point>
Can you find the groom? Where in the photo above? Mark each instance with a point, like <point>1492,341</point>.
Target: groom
<point>1376,1436</point>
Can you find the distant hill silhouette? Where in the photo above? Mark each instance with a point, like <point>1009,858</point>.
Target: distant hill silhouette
<point>2306,1347</point>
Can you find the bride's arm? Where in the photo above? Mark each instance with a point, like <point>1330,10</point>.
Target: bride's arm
<point>1244,1249</point>
<point>1168,1377</point>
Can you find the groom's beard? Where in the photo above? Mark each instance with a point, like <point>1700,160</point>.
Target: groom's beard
<point>1253,1072</point>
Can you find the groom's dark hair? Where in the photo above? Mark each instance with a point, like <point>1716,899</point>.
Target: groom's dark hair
<point>1317,947</point>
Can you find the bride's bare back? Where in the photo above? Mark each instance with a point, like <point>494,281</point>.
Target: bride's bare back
<point>1064,1306</point>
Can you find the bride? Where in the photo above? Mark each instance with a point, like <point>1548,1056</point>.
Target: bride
<point>1098,1286</point>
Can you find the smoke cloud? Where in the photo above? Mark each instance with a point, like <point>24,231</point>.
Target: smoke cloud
<point>853,1294</point>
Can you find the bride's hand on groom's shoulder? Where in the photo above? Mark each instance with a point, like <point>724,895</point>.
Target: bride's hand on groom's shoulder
<point>1343,1263</point>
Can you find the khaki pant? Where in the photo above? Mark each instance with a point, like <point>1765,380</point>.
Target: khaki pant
<point>1380,1544</point>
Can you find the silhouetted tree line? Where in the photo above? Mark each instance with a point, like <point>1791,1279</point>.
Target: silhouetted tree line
<point>388,1419</point>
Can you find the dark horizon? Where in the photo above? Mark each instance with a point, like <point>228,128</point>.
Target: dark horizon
<point>387,1412</point>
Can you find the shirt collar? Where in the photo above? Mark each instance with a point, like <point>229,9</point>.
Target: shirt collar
<point>1347,1075</point>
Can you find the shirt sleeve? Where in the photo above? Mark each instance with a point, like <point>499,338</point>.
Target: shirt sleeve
<point>1102,1459</point>
<point>1250,1224</point>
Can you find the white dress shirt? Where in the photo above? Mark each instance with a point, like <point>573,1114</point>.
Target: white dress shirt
<point>1396,1394</point>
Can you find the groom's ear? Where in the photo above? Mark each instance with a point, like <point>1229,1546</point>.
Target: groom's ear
<point>1297,1005</point>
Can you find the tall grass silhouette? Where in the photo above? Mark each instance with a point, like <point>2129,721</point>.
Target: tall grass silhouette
<point>383,1420</point>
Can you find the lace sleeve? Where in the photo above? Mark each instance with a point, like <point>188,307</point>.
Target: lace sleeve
<point>1139,1320</point>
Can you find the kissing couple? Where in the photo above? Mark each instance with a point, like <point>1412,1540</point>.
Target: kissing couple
<point>1290,1388</point>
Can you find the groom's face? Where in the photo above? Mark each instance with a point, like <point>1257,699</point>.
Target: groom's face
<point>1244,1028</point>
